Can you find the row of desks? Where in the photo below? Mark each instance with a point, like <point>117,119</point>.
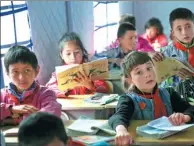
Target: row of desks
<point>184,138</point>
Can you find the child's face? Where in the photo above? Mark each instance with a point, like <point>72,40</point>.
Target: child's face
<point>152,32</point>
<point>128,41</point>
<point>22,75</point>
<point>183,30</point>
<point>144,77</point>
<point>72,53</point>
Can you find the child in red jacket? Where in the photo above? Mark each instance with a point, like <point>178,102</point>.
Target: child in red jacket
<point>72,51</point>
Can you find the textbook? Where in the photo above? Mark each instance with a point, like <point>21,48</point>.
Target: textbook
<point>91,126</point>
<point>95,70</point>
<point>102,98</point>
<point>91,139</point>
<point>169,67</point>
<point>160,128</point>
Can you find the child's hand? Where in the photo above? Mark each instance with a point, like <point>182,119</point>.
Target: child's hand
<point>83,80</point>
<point>23,109</point>
<point>184,73</point>
<point>123,138</point>
<point>63,94</point>
<point>156,56</point>
<point>179,118</point>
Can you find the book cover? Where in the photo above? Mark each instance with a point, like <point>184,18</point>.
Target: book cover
<point>91,139</point>
<point>169,67</point>
<point>97,69</point>
<point>160,128</point>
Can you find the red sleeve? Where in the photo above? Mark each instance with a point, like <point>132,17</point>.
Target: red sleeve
<point>101,86</point>
<point>162,40</point>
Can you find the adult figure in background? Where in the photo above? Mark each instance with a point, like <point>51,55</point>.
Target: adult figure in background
<point>154,33</point>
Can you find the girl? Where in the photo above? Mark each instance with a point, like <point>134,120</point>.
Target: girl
<point>24,96</point>
<point>154,34</point>
<point>72,51</point>
<point>145,101</point>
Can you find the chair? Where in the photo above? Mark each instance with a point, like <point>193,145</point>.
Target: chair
<point>64,116</point>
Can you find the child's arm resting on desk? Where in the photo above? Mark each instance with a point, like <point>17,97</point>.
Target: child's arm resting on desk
<point>5,111</point>
<point>124,112</point>
<point>181,106</point>
<point>49,103</point>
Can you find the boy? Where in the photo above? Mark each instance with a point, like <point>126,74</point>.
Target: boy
<point>182,48</point>
<point>44,129</point>
<point>142,44</point>
<point>127,37</point>
<point>24,95</point>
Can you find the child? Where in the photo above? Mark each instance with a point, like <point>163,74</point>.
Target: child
<point>182,48</point>
<point>139,72</point>
<point>142,44</point>
<point>44,129</point>
<point>127,37</point>
<point>24,96</point>
<point>154,34</point>
<point>72,51</point>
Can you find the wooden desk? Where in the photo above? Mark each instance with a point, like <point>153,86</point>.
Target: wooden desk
<point>184,138</point>
<point>74,106</point>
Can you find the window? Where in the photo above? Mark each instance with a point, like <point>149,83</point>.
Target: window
<point>106,16</point>
<point>15,28</point>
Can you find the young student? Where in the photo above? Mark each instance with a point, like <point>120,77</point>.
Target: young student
<point>142,44</point>
<point>24,95</point>
<point>154,34</point>
<point>72,51</point>
<point>127,37</point>
<point>144,100</point>
<point>44,129</point>
<point>182,48</point>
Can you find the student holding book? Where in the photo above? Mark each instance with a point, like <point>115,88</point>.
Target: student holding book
<point>44,129</point>
<point>181,48</point>
<point>24,95</point>
<point>72,51</point>
<point>145,100</point>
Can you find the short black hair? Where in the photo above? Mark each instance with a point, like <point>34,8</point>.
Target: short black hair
<point>39,129</point>
<point>72,36</point>
<point>20,54</point>
<point>127,18</point>
<point>181,13</point>
<point>123,28</point>
<point>154,22</point>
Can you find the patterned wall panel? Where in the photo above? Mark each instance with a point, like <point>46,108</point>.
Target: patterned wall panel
<point>48,23</point>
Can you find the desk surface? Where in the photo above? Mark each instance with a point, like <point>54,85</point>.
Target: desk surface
<point>182,138</point>
<point>76,102</point>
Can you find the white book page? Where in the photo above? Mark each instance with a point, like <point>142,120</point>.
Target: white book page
<point>59,69</point>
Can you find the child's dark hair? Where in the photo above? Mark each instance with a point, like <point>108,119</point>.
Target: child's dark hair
<point>181,13</point>
<point>129,62</point>
<point>127,18</point>
<point>20,54</point>
<point>72,36</point>
<point>123,28</point>
<point>154,22</point>
<point>40,129</point>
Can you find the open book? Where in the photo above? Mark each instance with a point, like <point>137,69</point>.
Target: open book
<point>160,128</point>
<point>97,69</point>
<point>91,126</point>
<point>169,67</point>
<point>102,98</point>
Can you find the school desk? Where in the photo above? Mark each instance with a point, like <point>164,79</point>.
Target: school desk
<point>75,106</point>
<point>184,138</point>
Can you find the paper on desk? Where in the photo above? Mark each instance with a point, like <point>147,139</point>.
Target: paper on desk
<point>164,124</point>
